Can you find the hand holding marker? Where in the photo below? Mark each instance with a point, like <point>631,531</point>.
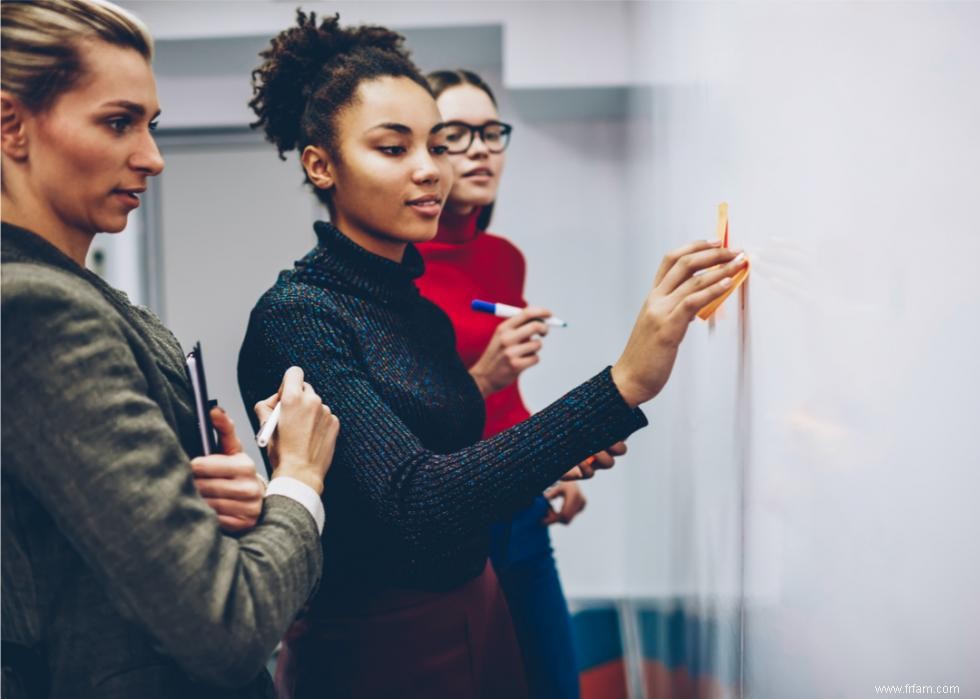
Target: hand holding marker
<point>268,427</point>
<point>502,310</point>
<point>513,346</point>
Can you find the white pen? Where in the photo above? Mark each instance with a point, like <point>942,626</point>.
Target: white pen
<point>502,310</point>
<point>265,432</point>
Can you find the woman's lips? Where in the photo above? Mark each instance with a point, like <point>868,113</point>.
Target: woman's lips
<point>429,207</point>
<point>130,197</point>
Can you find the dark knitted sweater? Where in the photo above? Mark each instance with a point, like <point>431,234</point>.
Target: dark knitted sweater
<point>411,491</point>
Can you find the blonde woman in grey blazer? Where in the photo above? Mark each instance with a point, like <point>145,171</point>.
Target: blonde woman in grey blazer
<point>117,579</point>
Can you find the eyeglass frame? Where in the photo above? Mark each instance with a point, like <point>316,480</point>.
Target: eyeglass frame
<point>505,133</point>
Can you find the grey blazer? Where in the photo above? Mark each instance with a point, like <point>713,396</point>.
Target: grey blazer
<point>117,581</point>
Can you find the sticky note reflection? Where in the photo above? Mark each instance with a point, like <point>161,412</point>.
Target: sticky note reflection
<point>722,233</point>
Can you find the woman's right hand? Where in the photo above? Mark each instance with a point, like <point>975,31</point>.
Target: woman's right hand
<point>303,444</point>
<point>679,291</point>
<point>512,349</point>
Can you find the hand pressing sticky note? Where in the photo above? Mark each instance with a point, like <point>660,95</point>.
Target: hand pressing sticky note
<point>722,233</point>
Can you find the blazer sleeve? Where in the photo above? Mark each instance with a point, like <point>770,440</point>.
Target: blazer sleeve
<point>432,500</point>
<point>82,435</point>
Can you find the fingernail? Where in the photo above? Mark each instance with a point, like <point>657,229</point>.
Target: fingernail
<point>739,259</point>
<point>726,282</point>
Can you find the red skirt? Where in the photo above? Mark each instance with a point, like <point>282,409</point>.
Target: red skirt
<point>407,644</point>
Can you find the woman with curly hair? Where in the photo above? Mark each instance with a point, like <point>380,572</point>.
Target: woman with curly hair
<point>409,606</point>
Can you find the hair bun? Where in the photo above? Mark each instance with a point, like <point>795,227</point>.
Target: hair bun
<point>297,62</point>
<point>289,71</point>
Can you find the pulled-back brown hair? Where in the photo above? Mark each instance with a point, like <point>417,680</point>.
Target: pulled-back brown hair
<point>311,71</point>
<point>42,40</point>
<point>442,80</point>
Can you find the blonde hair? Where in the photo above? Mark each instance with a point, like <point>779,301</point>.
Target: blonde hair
<point>40,46</point>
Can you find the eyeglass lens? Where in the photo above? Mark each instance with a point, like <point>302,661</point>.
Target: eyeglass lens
<point>459,136</point>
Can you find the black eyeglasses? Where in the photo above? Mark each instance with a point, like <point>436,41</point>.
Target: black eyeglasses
<point>459,136</point>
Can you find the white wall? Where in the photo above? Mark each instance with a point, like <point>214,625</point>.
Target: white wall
<point>845,138</point>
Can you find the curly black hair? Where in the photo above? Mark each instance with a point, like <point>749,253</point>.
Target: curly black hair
<point>311,71</point>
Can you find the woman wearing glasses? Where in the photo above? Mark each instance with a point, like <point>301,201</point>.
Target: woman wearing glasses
<point>463,263</point>
<point>409,606</point>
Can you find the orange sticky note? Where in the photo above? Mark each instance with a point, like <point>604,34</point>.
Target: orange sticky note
<point>721,230</point>
<point>722,233</point>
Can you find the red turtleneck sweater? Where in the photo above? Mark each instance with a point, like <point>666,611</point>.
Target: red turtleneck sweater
<point>462,264</point>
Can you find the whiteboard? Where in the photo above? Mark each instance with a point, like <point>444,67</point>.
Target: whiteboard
<point>827,431</point>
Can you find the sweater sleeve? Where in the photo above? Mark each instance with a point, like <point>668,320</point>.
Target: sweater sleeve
<point>433,500</point>
<point>81,433</point>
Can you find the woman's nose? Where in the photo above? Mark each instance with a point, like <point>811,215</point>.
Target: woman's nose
<point>147,157</point>
<point>478,148</point>
<point>427,171</point>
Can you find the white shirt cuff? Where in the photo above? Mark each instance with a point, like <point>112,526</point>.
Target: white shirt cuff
<point>300,492</point>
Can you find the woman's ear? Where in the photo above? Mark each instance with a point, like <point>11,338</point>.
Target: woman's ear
<point>319,166</point>
<point>13,127</point>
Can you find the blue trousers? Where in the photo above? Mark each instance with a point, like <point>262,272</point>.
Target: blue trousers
<point>525,564</point>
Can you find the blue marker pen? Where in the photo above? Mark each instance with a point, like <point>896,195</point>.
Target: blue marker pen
<point>502,310</point>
